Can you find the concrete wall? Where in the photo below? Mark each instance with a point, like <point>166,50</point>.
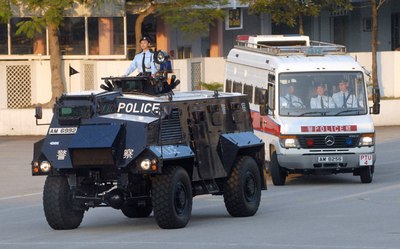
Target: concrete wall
<point>22,122</point>
<point>388,116</point>
<point>388,70</point>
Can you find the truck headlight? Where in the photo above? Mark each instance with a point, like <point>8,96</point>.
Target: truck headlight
<point>367,139</point>
<point>145,164</point>
<point>45,166</point>
<point>289,141</point>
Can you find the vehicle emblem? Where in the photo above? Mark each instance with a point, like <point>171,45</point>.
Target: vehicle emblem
<point>329,140</point>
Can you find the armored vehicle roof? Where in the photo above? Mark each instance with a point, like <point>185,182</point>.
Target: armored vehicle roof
<point>183,96</point>
<point>177,96</point>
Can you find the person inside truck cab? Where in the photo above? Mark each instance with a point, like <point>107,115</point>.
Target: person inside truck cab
<point>321,101</point>
<point>343,98</point>
<point>143,61</point>
<point>290,100</point>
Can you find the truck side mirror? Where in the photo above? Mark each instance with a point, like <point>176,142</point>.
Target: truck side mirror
<point>376,98</point>
<point>263,110</point>
<point>263,100</point>
<point>38,112</point>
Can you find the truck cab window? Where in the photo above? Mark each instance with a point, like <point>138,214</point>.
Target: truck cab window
<point>322,93</point>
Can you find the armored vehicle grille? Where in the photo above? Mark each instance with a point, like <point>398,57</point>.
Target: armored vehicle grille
<point>329,141</point>
<point>171,130</point>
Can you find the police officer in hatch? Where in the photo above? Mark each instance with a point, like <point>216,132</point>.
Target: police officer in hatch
<point>143,61</point>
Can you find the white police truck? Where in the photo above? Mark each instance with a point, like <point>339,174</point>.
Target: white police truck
<point>309,104</point>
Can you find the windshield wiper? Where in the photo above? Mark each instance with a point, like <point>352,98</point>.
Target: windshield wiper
<point>314,112</point>
<point>344,111</point>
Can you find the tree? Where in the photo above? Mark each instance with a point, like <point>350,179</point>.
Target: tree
<point>5,11</point>
<point>290,11</point>
<point>191,16</point>
<point>50,14</point>
<point>375,5</point>
<point>47,13</point>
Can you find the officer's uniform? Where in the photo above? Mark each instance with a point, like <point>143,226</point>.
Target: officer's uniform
<point>291,101</point>
<point>142,59</point>
<point>345,99</point>
<point>322,102</point>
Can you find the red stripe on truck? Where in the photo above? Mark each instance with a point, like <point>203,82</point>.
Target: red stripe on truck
<point>265,124</point>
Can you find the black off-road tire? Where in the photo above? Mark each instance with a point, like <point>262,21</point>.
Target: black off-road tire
<point>133,210</point>
<point>242,190</point>
<point>57,204</point>
<point>172,198</point>
<point>278,174</point>
<point>366,174</point>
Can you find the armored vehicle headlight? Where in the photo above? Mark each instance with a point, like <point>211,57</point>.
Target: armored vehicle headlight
<point>145,164</point>
<point>289,141</point>
<point>45,166</point>
<point>367,139</point>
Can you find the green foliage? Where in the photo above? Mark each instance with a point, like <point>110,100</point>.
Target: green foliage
<point>48,11</point>
<point>288,11</point>
<point>5,10</point>
<point>191,16</point>
<point>31,27</point>
<point>213,86</point>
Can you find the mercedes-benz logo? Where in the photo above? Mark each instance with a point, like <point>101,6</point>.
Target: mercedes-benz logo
<point>329,140</point>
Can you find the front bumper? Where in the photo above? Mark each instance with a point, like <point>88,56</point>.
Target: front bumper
<point>310,162</point>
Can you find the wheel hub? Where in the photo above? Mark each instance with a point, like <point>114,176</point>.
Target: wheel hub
<point>249,187</point>
<point>180,198</point>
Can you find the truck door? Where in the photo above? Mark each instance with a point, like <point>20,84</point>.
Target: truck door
<point>201,141</point>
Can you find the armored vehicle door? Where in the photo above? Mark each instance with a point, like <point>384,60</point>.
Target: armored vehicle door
<point>201,140</point>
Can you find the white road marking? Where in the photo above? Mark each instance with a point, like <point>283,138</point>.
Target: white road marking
<point>19,196</point>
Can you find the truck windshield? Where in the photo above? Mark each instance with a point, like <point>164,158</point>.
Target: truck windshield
<point>74,112</point>
<point>322,94</point>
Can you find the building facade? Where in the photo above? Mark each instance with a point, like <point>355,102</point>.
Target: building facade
<point>109,33</point>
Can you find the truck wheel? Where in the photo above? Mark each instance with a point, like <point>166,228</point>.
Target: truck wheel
<point>136,211</point>
<point>242,191</point>
<point>366,174</point>
<point>278,174</point>
<point>57,204</point>
<point>172,198</point>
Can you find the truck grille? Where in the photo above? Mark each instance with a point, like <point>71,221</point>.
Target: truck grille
<point>171,131</point>
<point>319,141</point>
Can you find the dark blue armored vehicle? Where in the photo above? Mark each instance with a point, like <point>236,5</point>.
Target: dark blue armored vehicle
<point>141,148</point>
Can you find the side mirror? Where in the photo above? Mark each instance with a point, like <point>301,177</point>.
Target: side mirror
<point>263,100</point>
<point>263,110</point>
<point>375,109</point>
<point>376,98</point>
<point>262,97</point>
<point>38,112</point>
<point>376,95</point>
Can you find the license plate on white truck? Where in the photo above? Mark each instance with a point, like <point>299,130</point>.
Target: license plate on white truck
<point>330,159</point>
<point>366,160</point>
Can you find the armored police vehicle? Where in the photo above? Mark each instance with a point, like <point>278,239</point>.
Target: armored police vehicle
<point>141,148</point>
<point>309,104</point>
